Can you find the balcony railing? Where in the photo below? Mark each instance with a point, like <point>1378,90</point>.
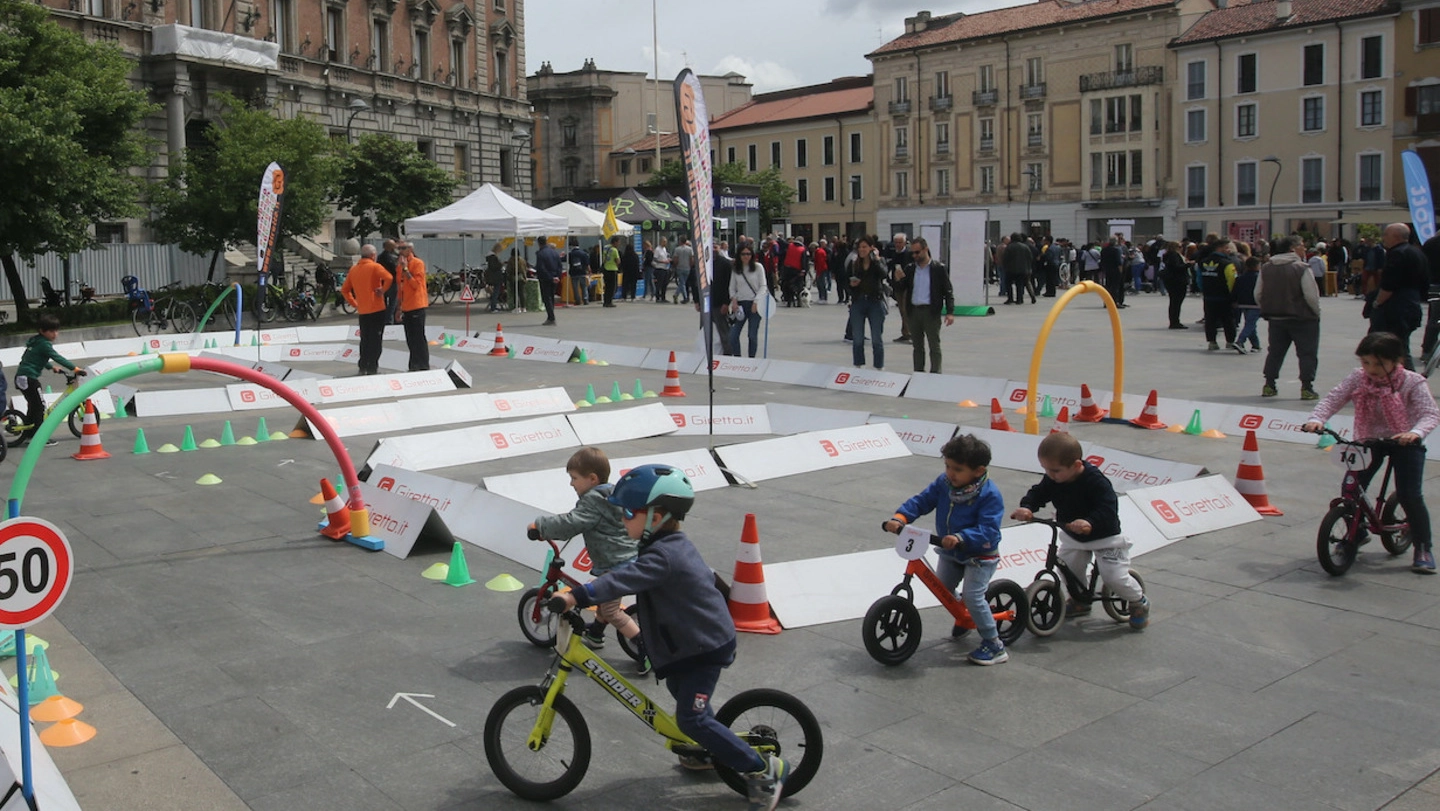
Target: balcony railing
<point>902,152</point>
<point>1035,139</point>
<point>1032,91</point>
<point>900,107</point>
<point>1135,77</point>
<point>987,144</point>
<point>942,147</point>
<point>985,98</point>
<point>942,102</point>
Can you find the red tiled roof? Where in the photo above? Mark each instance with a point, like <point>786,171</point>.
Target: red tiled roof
<point>668,140</point>
<point>1046,13</point>
<point>1253,18</point>
<point>792,106</point>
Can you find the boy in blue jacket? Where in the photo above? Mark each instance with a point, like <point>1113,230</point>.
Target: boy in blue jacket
<point>968,509</point>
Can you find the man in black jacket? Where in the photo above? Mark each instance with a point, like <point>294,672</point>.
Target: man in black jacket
<point>719,296</point>
<point>1404,285</point>
<point>1112,270</point>
<point>1431,249</point>
<point>929,298</point>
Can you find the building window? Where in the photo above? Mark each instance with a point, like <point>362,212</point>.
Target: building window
<point>502,74</point>
<point>1371,173</point>
<point>458,75</point>
<point>570,173</point>
<point>110,233</point>
<point>729,154</point>
<point>1195,187</point>
<point>1115,174</point>
<point>420,65</point>
<point>855,152</point>
<point>1246,67</point>
<point>942,136</point>
<point>902,141</point>
<point>942,84</point>
<point>1245,120</point>
<point>1097,116</point>
<point>829,186</point>
<point>1312,180</point>
<point>987,179</point>
<point>802,191</point>
<point>507,168</point>
<point>775,154</point>
<point>752,161</point>
<point>856,187</point>
<point>379,45</point>
<point>1428,25</point>
<point>1370,57</point>
<point>1194,126</point>
<point>902,184</point>
<point>1427,100</point>
<point>1135,167</point>
<point>1034,71</point>
<point>1115,109</point>
<point>281,24</point>
<point>902,89</point>
<point>1124,58</point>
<point>1035,129</point>
<point>987,78</point>
<point>568,133</point>
<point>987,134</point>
<point>1195,81</point>
<point>334,34</point>
<point>942,182</point>
<point>1371,110</point>
<point>802,156</point>
<point>622,167</point>
<point>1314,65</point>
<point>1246,178</point>
<point>1036,173</point>
<point>1312,114</point>
<point>462,162</point>
<point>1097,169</point>
<point>1137,119</point>
<point>827,150</point>
<point>645,165</point>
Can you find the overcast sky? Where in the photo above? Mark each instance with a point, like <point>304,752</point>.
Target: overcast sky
<point>775,43</point>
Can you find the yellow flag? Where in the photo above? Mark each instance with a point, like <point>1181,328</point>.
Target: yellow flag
<point>610,227</point>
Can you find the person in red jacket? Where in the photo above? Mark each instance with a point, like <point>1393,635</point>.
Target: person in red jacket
<point>364,288</point>
<point>792,272</point>
<point>822,270</point>
<point>414,299</point>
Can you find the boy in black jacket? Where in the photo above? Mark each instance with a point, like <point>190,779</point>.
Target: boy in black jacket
<point>1086,506</point>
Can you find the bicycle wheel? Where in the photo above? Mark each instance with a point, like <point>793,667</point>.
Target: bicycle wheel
<point>1333,544</point>
<point>774,723</point>
<point>1047,607</point>
<point>12,426</point>
<point>147,320</point>
<point>539,627</point>
<point>1393,513</point>
<point>76,419</point>
<point>182,317</point>
<point>268,306</point>
<point>1003,596</point>
<point>1118,609</point>
<point>553,771</point>
<point>432,288</point>
<point>891,630</point>
<point>344,304</point>
<point>631,646</point>
<point>447,289</point>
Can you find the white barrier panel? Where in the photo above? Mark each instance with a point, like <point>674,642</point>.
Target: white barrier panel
<point>637,422</point>
<point>445,496</point>
<point>922,437</point>
<point>794,419</point>
<point>1127,470</point>
<point>1193,507</point>
<point>108,348</point>
<point>475,346</point>
<point>497,524</point>
<point>450,409</point>
<point>181,401</point>
<point>1173,411</point>
<point>279,335</point>
<point>376,418</point>
<point>954,388</point>
<point>399,521</point>
<point>815,450</point>
<point>685,362</point>
<point>1009,450</point>
<point>701,468</point>
<point>462,377</point>
<point>371,387</point>
<point>553,400</point>
<point>546,490</point>
<point>549,353</point>
<point>333,333</point>
<point>100,367</point>
<point>1016,396</point>
<point>350,354</point>
<point>1280,425</point>
<point>519,339</point>
<point>10,356</point>
<point>729,420</point>
<point>741,368</point>
<point>868,381</point>
<point>104,403</point>
<point>396,359</point>
<point>314,353</point>
<point>464,446</point>
<point>615,354</point>
<point>796,373</point>
<point>251,396</point>
<point>121,394</point>
<point>47,784</point>
<point>277,371</point>
<point>173,343</point>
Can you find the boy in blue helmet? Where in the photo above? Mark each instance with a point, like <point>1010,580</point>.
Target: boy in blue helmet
<point>684,621</point>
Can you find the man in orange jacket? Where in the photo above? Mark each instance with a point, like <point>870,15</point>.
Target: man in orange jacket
<point>365,288</point>
<point>414,299</point>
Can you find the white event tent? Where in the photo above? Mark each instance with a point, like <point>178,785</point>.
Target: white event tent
<point>586,222</point>
<point>488,210</point>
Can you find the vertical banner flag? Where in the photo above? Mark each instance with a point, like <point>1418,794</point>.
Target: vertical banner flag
<point>267,231</point>
<point>694,133</point>
<point>1422,200</point>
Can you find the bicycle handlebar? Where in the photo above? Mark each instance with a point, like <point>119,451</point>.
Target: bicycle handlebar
<point>1379,442</point>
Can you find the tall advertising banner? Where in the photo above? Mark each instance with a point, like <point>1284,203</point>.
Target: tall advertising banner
<point>267,229</point>
<point>694,132</point>
<point>967,260</point>
<point>1422,200</point>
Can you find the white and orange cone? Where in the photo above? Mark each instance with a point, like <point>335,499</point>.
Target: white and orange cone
<point>1250,477</point>
<point>337,516</point>
<point>749,605</point>
<point>90,447</point>
<point>1089,412</point>
<point>1150,416</point>
<point>1062,422</point>
<point>672,380</point>
<point>499,351</point>
<point>997,417</point>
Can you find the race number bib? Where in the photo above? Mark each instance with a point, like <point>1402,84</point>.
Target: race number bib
<point>911,543</point>
<point>1353,457</point>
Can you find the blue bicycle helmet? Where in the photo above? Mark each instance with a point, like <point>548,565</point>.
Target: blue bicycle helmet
<point>652,486</point>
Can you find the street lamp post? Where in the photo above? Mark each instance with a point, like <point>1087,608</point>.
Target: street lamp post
<point>1270,208</point>
<point>357,106</point>
<point>1029,192</point>
<point>629,153</point>
<point>522,137</point>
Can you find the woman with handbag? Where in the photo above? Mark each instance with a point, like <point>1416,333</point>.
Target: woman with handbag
<point>747,289</point>
<point>868,293</point>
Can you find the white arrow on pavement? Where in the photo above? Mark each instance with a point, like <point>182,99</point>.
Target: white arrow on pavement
<point>410,697</point>
<point>284,462</point>
<point>164,474</point>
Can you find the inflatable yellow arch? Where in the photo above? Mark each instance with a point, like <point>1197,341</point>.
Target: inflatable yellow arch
<point>1117,407</point>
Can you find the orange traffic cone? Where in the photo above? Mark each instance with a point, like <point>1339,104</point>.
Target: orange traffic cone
<point>337,520</point>
<point>1089,412</point>
<point>1062,422</point>
<point>997,417</point>
<point>499,351</point>
<point>749,606</point>
<point>90,447</point>
<point>672,380</point>
<point>1250,478</point>
<point>1150,416</point>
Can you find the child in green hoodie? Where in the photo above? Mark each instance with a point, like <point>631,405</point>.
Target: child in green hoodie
<point>39,353</point>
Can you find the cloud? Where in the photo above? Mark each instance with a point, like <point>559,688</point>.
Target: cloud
<point>765,75</point>
<point>871,8</point>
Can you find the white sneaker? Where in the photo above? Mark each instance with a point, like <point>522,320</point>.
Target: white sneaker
<point>765,787</point>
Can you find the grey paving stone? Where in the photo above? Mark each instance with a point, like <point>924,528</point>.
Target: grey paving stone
<point>343,791</point>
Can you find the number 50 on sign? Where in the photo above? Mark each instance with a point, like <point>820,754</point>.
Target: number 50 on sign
<point>35,570</point>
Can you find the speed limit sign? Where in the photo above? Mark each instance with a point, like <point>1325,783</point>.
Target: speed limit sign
<point>35,570</point>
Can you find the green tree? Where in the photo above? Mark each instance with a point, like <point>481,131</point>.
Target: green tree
<point>69,134</point>
<point>775,194</point>
<point>385,181</point>
<point>209,200</point>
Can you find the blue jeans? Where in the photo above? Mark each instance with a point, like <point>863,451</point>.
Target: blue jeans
<point>1249,330</point>
<point>977,574</point>
<point>693,690</point>
<point>752,319</point>
<point>864,309</point>
<point>1408,464</point>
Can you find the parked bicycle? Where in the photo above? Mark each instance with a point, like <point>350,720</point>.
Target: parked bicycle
<point>274,299</point>
<point>1352,516</point>
<point>1055,583</point>
<point>442,285</point>
<point>152,314</point>
<point>14,423</point>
